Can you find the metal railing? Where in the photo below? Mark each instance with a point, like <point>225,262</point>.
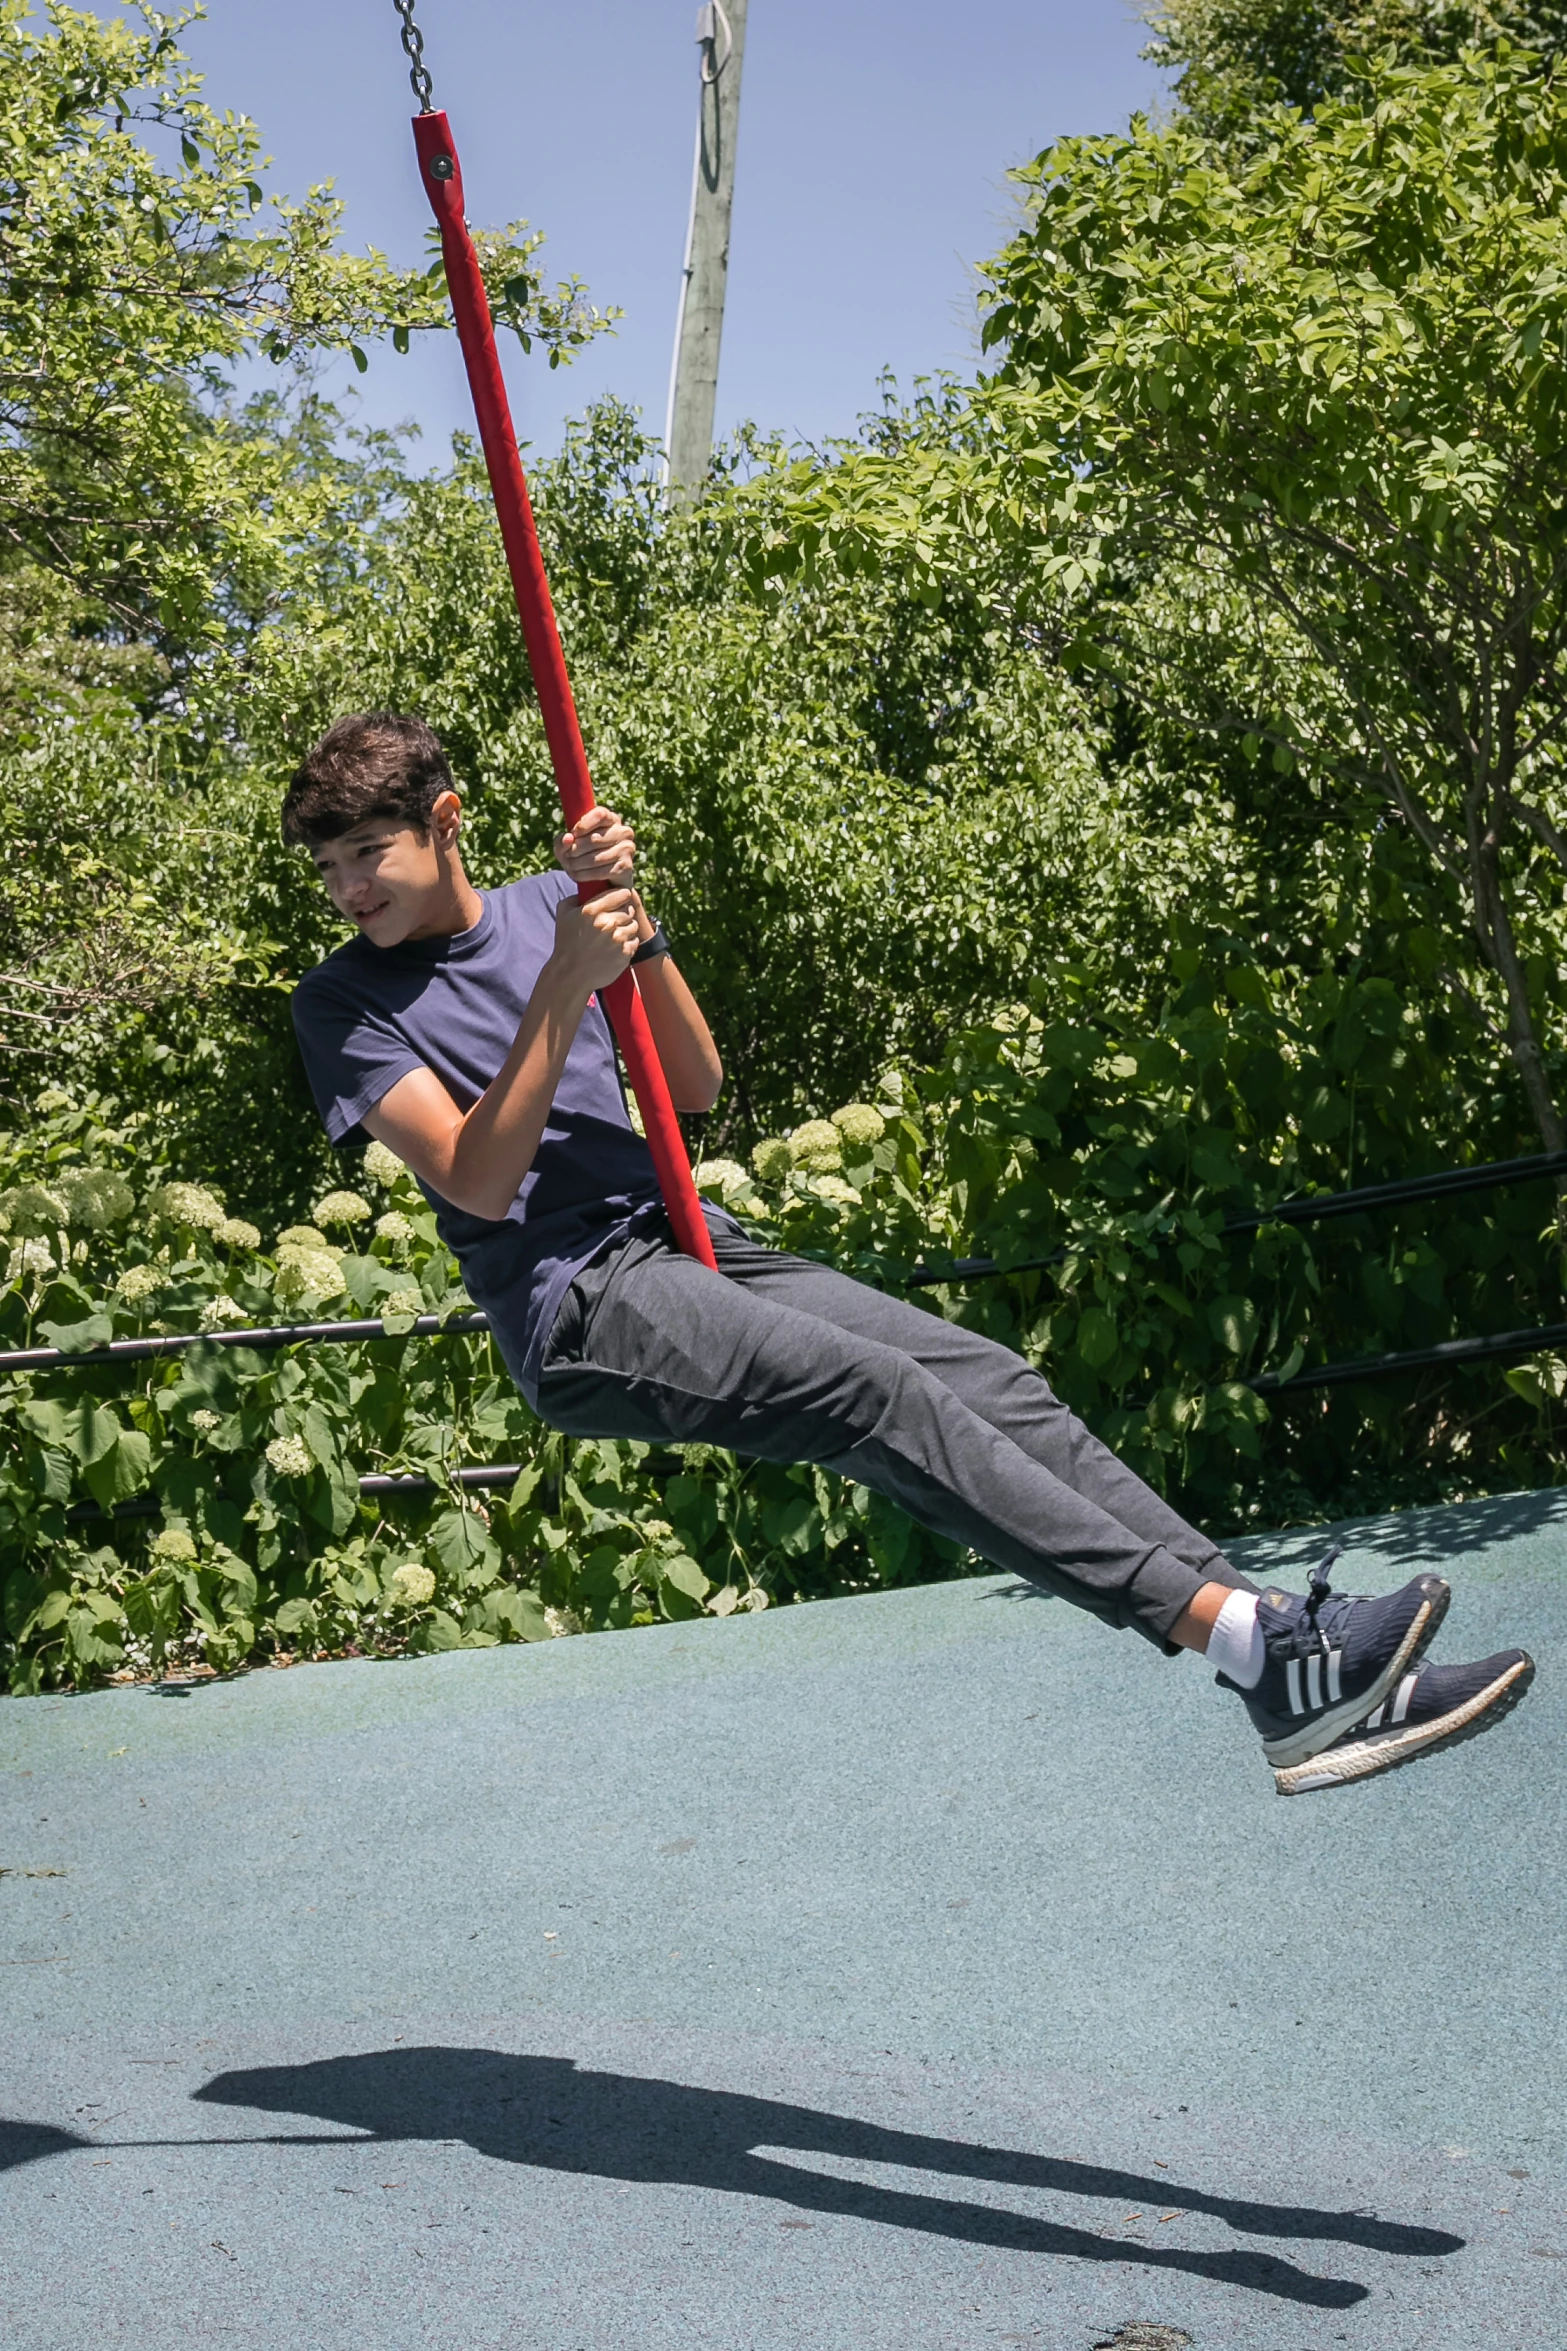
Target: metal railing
<point>1490,1176</point>
<point>1499,1346</point>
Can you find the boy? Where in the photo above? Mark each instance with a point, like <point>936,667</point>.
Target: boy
<point>461,1028</point>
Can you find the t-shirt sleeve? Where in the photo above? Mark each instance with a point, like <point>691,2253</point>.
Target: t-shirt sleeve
<point>352,1056</point>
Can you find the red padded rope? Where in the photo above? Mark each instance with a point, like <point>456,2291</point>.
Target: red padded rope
<point>442,176</point>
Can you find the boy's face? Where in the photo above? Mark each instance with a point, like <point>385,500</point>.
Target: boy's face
<point>391,882</point>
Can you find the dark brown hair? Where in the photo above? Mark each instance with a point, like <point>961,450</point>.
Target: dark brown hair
<point>378,764</point>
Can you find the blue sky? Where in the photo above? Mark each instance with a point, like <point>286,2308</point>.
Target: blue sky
<point>874,142</point>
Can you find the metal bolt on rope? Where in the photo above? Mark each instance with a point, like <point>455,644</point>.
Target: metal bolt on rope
<point>413,48</point>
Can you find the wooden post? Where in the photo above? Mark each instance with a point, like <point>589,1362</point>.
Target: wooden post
<point>693,389</point>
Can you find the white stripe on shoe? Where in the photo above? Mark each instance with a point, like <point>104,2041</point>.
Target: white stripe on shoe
<point>1334,1692</point>
<point>1314,1681</point>
<point>1373,1722</point>
<point>1406,1690</point>
<point>1360,1759</point>
<point>1286,1749</point>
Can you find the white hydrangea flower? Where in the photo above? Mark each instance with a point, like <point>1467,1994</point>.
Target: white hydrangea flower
<point>299,1236</point>
<point>342,1208</point>
<point>403,1302</point>
<point>173,1543</point>
<point>95,1199</point>
<point>656,1529</point>
<point>816,1146</point>
<point>860,1125</point>
<point>223,1313</point>
<point>189,1204</point>
<point>383,1167</point>
<point>139,1281</point>
<point>34,1209</point>
<point>562,1621</point>
<point>235,1233</point>
<point>290,1457</point>
<point>205,1422</point>
<point>835,1191</point>
<point>394,1227</point>
<point>29,1257</point>
<point>412,1585</point>
<point>308,1273</point>
<point>772,1158</point>
<point>720,1175</point>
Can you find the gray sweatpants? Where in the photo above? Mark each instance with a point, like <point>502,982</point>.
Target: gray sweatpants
<point>785,1360</point>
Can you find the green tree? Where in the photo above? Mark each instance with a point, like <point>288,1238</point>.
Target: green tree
<point>152,525</point>
<point>130,285</point>
<point>1234,59</point>
<point>1275,442</point>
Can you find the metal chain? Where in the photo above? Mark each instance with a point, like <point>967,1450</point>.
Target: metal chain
<point>413,45</point>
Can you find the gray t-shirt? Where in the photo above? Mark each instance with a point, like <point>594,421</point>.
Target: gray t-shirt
<point>368,1015</point>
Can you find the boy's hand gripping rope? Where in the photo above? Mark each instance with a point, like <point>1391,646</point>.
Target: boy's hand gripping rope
<point>442,177</point>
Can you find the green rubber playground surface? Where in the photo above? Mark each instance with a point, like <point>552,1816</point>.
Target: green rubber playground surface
<point>928,1970</point>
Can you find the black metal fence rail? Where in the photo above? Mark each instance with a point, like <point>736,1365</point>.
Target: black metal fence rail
<point>495,1473</point>
<point>1502,1347</point>
<point>1499,1346</point>
<point>283,1334</point>
<point>1490,1176</point>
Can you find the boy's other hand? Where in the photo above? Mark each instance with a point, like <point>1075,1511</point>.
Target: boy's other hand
<point>599,849</point>
<point>595,938</point>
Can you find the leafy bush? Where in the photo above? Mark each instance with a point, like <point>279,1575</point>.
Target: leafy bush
<point>1115,1157</point>
<point>253,1539</point>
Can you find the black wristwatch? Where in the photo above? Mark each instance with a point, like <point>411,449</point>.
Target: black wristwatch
<point>651,949</point>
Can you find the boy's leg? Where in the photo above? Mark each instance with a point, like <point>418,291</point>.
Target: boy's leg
<point>991,1379</point>
<point>653,1345</point>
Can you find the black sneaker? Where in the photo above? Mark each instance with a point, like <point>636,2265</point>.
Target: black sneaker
<point>1433,1706</point>
<point>1330,1659</point>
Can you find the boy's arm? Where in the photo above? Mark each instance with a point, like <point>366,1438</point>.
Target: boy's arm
<point>602,849</point>
<point>477,1158</point>
<point>683,1038</point>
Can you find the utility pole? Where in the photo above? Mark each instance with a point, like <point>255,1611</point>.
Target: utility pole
<point>693,383</point>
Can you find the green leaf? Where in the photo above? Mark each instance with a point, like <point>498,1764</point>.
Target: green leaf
<point>794,1526</point>
<point>92,1636</point>
<point>461,1541</point>
<point>117,1474</point>
<point>320,1436</point>
<point>1234,1322</point>
<point>440,1631</point>
<point>93,1430</point>
<point>684,1574</point>
<point>74,1338</point>
<point>45,1417</point>
<point>1097,1337</point>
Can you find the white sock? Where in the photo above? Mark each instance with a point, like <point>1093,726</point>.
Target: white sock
<point>1235,1645</point>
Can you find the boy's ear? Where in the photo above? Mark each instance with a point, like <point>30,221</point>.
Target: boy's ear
<point>446,818</point>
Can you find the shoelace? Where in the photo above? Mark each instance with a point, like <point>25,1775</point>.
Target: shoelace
<point>1318,1589</point>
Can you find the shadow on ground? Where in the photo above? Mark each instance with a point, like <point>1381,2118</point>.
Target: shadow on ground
<point>551,2113</point>
<point>1419,1538</point>
<point>1410,1539</point>
<point>548,2112</point>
